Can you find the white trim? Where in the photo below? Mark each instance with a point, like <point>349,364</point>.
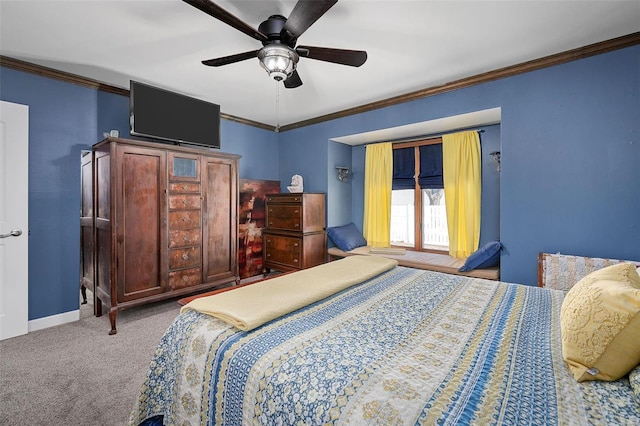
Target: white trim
<point>53,320</point>
<point>440,125</point>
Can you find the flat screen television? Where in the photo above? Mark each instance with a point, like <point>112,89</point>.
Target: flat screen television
<point>169,116</point>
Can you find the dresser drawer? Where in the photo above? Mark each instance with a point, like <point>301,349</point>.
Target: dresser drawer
<point>284,250</point>
<point>284,198</point>
<point>185,219</point>
<point>184,187</point>
<point>184,237</point>
<point>185,278</point>
<point>284,216</point>
<point>184,201</point>
<point>184,257</point>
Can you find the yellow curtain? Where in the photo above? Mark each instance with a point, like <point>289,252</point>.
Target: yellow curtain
<point>462,190</point>
<point>378,174</point>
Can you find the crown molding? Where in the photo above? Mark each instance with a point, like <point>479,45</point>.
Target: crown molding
<point>536,64</point>
<point>43,71</point>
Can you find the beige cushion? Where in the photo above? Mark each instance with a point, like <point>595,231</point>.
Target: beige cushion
<point>423,260</point>
<point>600,322</point>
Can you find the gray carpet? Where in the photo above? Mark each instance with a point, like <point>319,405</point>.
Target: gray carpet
<point>76,374</point>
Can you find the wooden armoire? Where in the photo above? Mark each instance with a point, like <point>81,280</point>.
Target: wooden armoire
<point>164,221</point>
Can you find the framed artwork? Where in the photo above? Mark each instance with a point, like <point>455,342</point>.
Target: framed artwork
<point>253,194</point>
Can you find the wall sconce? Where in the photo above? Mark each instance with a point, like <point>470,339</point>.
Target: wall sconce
<point>343,173</point>
<point>495,156</point>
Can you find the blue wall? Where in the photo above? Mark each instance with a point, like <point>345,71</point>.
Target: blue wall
<point>570,143</point>
<point>304,152</point>
<point>339,209</point>
<point>62,121</point>
<point>570,180</point>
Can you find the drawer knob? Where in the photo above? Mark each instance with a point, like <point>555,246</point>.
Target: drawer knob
<point>295,260</point>
<point>185,237</point>
<point>185,278</point>
<point>297,225</point>
<point>268,254</point>
<point>296,211</point>
<point>184,202</point>
<point>185,256</point>
<point>295,244</point>
<point>185,187</point>
<point>186,219</point>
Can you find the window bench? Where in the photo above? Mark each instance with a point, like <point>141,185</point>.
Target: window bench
<point>422,260</point>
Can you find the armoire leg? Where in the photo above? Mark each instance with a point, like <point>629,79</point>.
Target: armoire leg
<point>112,319</point>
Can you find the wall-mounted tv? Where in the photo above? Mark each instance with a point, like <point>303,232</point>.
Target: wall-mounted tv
<point>169,116</point>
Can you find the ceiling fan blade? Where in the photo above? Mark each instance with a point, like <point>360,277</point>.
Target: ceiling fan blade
<point>226,60</point>
<point>353,58</point>
<point>304,14</point>
<point>293,80</point>
<point>212,9</point>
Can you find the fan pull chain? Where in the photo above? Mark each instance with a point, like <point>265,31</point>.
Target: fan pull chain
<point>277,130</point>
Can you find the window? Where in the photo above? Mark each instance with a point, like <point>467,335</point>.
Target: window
<point>418,212</point>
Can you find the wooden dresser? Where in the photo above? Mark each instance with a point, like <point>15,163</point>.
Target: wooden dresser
<point>165,222</point>
<point>294,234</point>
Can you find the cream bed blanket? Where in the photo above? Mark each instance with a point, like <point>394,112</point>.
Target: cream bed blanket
<point>251,306</point>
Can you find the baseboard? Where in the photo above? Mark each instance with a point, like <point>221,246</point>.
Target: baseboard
<point>53,320</point>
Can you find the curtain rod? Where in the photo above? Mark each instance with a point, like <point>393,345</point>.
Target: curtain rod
<point>431,136</point>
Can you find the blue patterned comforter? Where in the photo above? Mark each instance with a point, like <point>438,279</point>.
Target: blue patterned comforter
<point>406,347</point>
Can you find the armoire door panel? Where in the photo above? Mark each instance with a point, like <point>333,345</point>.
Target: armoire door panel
<point>220,221</point>
<point>140,218</point>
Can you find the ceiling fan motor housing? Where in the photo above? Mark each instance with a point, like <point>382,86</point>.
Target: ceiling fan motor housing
<point>273,29</point>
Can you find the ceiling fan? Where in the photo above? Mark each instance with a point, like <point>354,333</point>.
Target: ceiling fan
<point>279,35</point>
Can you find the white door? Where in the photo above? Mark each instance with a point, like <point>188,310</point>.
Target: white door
<point>14,219</point>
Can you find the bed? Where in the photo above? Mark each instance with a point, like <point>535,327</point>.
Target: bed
<point>403,346</point>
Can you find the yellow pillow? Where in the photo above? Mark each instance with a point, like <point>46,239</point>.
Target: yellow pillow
<point>600,323</point>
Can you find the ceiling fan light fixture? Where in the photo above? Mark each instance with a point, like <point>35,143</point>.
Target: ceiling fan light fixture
<point>278,60</point>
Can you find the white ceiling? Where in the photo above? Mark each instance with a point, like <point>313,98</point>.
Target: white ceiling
<point>411,45</point>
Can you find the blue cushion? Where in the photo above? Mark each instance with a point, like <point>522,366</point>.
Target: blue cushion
<point>346,237</point>
<point>485,257</point>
